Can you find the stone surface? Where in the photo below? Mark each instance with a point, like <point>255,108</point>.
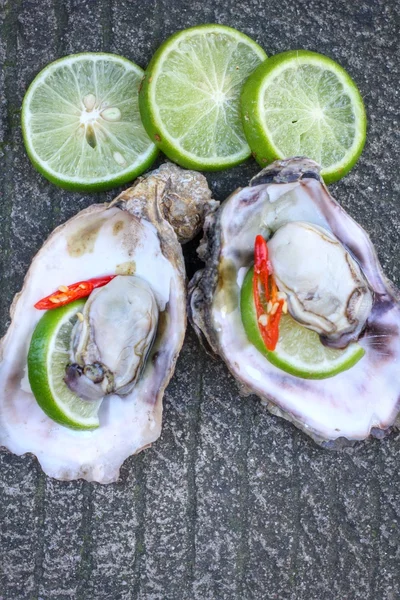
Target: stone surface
<point>231,503</point>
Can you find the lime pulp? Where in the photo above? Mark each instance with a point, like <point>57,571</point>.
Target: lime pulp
<point>81,123</point>
<point>47,358</point>
<point>301,103</point>
<point>189,100</point>
<point>299,350</point>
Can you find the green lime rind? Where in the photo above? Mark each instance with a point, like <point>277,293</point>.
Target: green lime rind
<point>299,340</point>
<point>44,129</point>
<point>314,109</point>
<point>47,358</point>
<point>174,98</point>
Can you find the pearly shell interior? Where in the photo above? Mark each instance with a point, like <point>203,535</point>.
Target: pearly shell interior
<point>97,241</point>
<point>350,405</point>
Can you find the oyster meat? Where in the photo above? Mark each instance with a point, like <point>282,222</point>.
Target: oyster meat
<point>327,266</point>
<point>130,334</point>
<point>112,340</point>
<point>326,290</point>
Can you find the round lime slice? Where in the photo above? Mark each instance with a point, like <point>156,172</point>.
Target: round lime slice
<point>47,358</point>
<point>299,350</point>
<point>301,103</point>
<point>81,123</point>
<point>189,100</point>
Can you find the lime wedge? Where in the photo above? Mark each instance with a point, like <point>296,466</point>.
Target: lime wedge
<point>81,123</point>
<point>47,358</point>
<point>301,103</point>
<point>299,350</point>
<point>189,100</point>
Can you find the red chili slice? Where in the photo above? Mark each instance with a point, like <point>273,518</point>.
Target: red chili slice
<point>269,310</point>
<point>68,293</point>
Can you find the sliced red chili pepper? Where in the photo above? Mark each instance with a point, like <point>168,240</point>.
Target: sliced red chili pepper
<point>262,266</point>
<point>68,293</point>
<point>269,309</point>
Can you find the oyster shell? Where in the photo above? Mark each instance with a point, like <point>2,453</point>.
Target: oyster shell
<point>186,198</point>
<point>128,237</point>
<point>353,404</point>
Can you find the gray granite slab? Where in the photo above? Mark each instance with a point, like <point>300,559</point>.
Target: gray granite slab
<point>231,503</point>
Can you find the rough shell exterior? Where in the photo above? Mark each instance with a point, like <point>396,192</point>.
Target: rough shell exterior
<point>183,196</point>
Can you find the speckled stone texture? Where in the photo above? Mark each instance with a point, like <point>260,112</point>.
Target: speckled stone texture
<point>231,503</point>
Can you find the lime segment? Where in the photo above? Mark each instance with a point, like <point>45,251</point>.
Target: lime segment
<point>189,100</point>
<point>47,358</point>
<point>301,103</point>
<point>81,122</point>
<point>299,350</point>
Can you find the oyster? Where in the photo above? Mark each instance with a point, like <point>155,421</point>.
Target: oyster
<point>287,203</point>
<point>132,238</point>
<point>104,362</point>
<point>329,295</point>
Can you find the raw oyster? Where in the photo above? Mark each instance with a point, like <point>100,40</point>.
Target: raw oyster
<point>329,295</point>
<point>106,362</point>
<point>353,404</point>
<point>128,237</point>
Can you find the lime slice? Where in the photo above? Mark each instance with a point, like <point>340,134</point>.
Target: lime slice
<point>47,358</point>
<point>81,123</point>
<point>299,350</point>
<point>189,100</point>
<point>301,103</point>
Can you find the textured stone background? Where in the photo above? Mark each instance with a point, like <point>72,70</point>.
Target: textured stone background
<point>231,503</point>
